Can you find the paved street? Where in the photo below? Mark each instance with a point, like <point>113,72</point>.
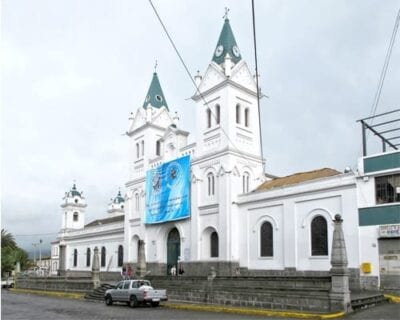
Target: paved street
<point>23,307</point>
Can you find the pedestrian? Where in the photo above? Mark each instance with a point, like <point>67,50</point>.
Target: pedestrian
<point>173,271</point>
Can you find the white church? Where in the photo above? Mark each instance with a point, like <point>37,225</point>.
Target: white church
<point>208,204</point>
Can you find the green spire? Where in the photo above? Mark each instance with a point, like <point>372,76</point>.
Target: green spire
<point>119,198</point>
<point>74,191</point>
<point>226,44</point>
<point>155,96</point>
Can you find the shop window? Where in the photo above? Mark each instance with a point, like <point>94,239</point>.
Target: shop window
<point>387,188</point>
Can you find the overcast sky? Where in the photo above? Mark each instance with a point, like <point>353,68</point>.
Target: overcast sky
<point>72,71</point>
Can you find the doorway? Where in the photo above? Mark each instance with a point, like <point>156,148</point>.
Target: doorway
<point>173,249</point>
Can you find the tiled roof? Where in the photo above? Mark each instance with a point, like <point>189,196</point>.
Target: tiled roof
<point>298,178</point>
<point>105,221</point>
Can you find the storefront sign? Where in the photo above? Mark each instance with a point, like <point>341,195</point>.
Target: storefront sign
<point>389,231</point>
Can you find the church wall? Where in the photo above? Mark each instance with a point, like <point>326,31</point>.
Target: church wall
<point>110,242</point>
<point>290,211</point>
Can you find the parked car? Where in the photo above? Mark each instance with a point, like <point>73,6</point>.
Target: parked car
<point>135,292</point>
<point>7,283</point>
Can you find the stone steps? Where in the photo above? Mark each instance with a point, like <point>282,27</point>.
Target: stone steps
<point>363,300</point>
<point>98,294</point>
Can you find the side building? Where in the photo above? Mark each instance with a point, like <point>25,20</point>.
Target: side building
<point>73,250</point>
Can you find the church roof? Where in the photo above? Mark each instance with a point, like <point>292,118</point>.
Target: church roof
<point>74,192</point>
<point>100,222</point>
<point>155,96</point>
<point>119,198</point>
<point>298,178</point>
<point>226,44</point>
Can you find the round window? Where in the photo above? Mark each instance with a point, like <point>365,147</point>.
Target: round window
<point>158,97</point>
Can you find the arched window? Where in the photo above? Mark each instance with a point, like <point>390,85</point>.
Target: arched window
<point>319,236</point>
<point>76,216</point>
<point>246,182</point>
<point>211,184</point>
<point>217,113</point>
<point>103,257</point>
<point>208,114</point>
<point>142,147</point>
<point>214,245</point>
<point>88,257</point>
<point>246,117</point>
<point>75,257</point>
<point>120,255</point>
<point>267,240</point>
<point>158,148</point>
<point>238,113</point>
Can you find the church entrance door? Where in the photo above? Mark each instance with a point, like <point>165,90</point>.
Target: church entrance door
<point>173,250</point>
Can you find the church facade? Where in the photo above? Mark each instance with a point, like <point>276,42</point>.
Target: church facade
<point>240,221</point>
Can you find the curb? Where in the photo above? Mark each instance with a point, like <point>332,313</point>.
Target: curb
<point>392,298</point>
<point>250,311</point>
<point>58,294</point>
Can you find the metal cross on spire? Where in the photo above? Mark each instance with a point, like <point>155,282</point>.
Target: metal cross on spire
<point>226,13</point>
<point>155,66</point>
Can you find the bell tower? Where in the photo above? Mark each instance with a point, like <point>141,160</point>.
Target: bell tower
<point>73,210</point>
<point>117,206</point>
<point>227,110</point>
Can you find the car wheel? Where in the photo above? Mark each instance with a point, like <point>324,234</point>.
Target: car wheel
<point>155,304</point>
<point>108,300</point>
<point>133,302</point>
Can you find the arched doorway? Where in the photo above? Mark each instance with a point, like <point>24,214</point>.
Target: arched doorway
<point>173,249</point>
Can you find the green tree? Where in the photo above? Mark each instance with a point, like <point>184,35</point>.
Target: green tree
<point>7,239</point>
<point>11,253</point>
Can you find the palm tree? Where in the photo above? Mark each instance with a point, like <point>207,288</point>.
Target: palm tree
<point>7,239</point>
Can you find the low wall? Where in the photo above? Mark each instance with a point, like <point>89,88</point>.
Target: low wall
<point>282,293</point>
<point>83,285</point>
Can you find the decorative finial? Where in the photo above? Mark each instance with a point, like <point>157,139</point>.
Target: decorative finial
<point>226,13</point>
<point>155,67</point>
<point>338,218</point>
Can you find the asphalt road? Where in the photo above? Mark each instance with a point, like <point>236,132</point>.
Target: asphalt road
<point>23,306</point>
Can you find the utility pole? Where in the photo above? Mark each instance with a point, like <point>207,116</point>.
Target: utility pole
<point>34,252</point>
<point>40,253</point>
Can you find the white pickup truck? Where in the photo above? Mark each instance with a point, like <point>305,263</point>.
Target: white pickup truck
<point>135,292</point>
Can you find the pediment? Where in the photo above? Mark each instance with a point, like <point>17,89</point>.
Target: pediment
<point>139,120</point>
<point>213,76</point>
<point>242,75</point>
<point>161,117</point>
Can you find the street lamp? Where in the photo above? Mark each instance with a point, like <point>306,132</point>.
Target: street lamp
<point>34,252</point>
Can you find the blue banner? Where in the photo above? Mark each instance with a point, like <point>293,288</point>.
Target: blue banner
<point>168,191</point>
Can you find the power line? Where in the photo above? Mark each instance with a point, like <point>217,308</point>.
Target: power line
<point>384,68</point>
<point>35,234</point>
<point>258,88</point>
<point>194,83</point>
